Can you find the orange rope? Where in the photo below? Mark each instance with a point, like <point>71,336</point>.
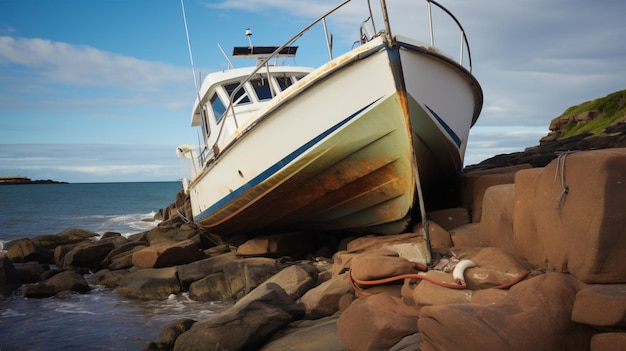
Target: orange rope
<point>354,282</point>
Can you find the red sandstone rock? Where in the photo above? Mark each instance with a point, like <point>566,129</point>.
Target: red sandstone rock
<point>496,226</point>
<point>467,235</point>
<point>601,305</point>
<point>580,231</point>
<point>608,342</point>
<point>376,322</point>
<point>534,316</point>
<point>450,218</point>
<point>481,184</point>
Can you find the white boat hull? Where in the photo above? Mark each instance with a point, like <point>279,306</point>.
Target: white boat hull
<point>338,151</point>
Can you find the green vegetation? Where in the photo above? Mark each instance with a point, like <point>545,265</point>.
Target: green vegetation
<point>610,108</point>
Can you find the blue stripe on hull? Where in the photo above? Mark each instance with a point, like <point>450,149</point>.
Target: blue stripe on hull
<point>445,126</point>
<point>275,168</point>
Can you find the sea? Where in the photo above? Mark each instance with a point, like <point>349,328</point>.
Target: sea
<point>100,319</point>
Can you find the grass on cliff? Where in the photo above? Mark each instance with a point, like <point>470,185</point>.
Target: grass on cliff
<point>610,108</point>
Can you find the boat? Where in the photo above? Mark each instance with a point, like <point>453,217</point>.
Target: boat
<point>354,145</point>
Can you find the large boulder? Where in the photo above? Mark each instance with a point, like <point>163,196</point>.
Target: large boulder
<point>323,300</point>
<point>25,250</point>
<point>534,316</point>
<point>150,284</point>
<point>197,270</point>
<point>9,279</point>
<point>247,325</point>
<point>307,335</point>
<point>571,216</point>
<point>89,255</point>
<point>601,305</point>
<point>64,281</point>
<point>376,322</point>
<point>167,254</point>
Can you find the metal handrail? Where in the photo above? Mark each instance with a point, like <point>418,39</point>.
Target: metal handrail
<point>463,36</point>
<point>264,61</point>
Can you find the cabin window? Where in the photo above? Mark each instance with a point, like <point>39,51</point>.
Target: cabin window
<point>284,82</point>
<point>262,88</point>
<point>218,107</point>
<point>240,95</point>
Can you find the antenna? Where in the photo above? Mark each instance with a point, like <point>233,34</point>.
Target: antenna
<point>249,35</point>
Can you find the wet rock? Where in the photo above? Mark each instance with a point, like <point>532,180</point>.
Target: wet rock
<point>30,272</point>
<point>169,334</point>
<point>150,284</point>
<point>89,255</point>
<point>213,287</point>
<point>295,280</point>
<point>64,281</point>
<point>25,250</point>
<point>376,322</point>
<point>52,241</point>
<point>107,278</point>
<point>9,278</point>
<point>246,325</point>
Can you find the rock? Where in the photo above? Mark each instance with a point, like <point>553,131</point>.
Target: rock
<point>323,300</point>
<point>9,279</point>
<point>408,343</point>
<point>440,240</point>
<point>307,335</point>
<point>213,287</point>
<point>426,293</point>
<point>580,231</point>
<point>50,242</point>
<point>467,235</point>
<point>246,325</point>
<point>295,280</point>
<point>449,218</point>
<point>534,316</point>
<point>376,322</point>
<point>150,284</point>
<point>494,267</point>
<point>24,250</point>
<point>173,233</point>
<point>64,281</point>
<point>107,278</point>
<point>294,244</point>
<point>89,254</point>
<point>243,275</point>
<point>30,272</point>
<point>601,305</point>
<point>496,226</point>
<point>169,334</point>
<point>608,342</point>
<point>77,234</point>
<point>380,264</point>
<point>481,184</point>
<point>167,254</point>
<point>199,269</point>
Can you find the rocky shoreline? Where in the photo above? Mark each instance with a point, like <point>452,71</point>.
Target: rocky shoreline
<point>540,248</point>
<point>21,180</point>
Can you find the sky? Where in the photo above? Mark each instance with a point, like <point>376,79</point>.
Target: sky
<point>102,91</point>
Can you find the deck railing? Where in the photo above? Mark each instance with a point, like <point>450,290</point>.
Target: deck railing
<point>212,151</point>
